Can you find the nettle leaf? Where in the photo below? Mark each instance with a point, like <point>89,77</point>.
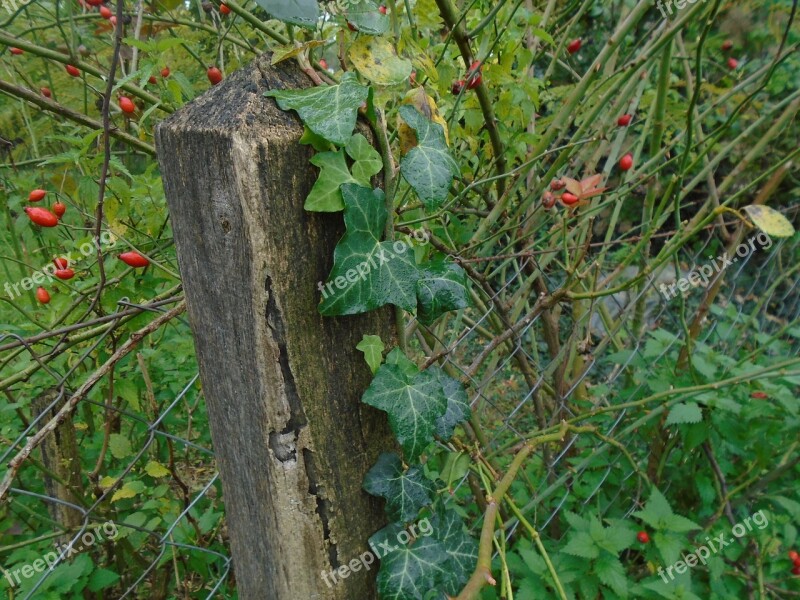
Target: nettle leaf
<point>412,571</point>
<point>372,347</point>
<point>461,549</point>
<point>428,167</point>
<point>458,409</point>
<point>326,196</point>
<point>297,12</point>
<point>442,287</point>
<point>581,544</point>
<point>414,402</point>
<point>611,572</point>
<point>328,110</point>
<point>376,59</point>
<point>365,16</point>
<point>367,160</point>
<point>368,273</point>
<point>686,412</point>
<point>659,515</point>
<point>406,492</point>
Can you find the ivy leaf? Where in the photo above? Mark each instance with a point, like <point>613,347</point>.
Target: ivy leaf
<point>405,492</point>
<point>367,160</point>
<point>686,412</point>
<point>428,167</point>
<point>376,59</point>
<point>326,196</point>
<point>282,53</point>
<point>410,572</point>
<point>319,143</point>
<point>368,273</point>
<point>366,17</point>
<point>414,402</point>
<point>328,110</point>
<point>442,287</point>
<point>297,12</point>
<point>461,549</point>
<point>458,409</point>
<point>372,347</point>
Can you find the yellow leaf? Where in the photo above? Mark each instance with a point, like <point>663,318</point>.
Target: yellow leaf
<point>126,491</point>
<point>770,221</point>
<point>375,59</point>
<point>427,106</point>
<point>156,469</point>
<point>106,482</point>
<point>282,53</point>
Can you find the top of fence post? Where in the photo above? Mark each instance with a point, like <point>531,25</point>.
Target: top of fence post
<point>282,384</point>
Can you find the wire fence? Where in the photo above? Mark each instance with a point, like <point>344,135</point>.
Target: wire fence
<point>173,528</point>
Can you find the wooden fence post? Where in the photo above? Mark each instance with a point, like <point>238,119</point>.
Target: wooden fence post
<point>282,384</point>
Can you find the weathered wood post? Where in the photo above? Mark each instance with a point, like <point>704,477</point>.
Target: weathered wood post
<point>282,384</point>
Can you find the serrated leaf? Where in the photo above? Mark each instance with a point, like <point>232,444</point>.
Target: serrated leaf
<point>659,515</point>
<point>611,572</point>
<point>770,221</point>
<point>329,110</point>
<point>128,490</point>
<point>458,409</point>
<point>581,544</point>
<point>412,571</point>
<point>442,287</point>
<point>119,445</point>
<point>368,273</point>
<point>156,469</point>
<point>406,492</point>
<point>428,167</point>
<point>686,412</point>
<point>461,549</point>
<point>326,195</point>
<point>376,59</point>
<point>414,403</point>
<point>101,579</point>
<point>367,160</point>
<point>372,347</point>
<point>366,18</point>
<point>297,12</point>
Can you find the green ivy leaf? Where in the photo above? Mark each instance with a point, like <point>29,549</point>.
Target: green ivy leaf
<point>461,549</point>
<point>687,412</point>
<point>368,273</point>
<point>414,402</point>
<point>297,12</point>
<point>326,196</point>
<point>372,347</point>
<point>366,17</point>
<point>405,492</point>
<point>410,572</point>
<point>442,287</point>
<point>329,110</point>
<point>458,409</point>
<point>319,143</point>
<point>428,167</point>
<point>367,160</point>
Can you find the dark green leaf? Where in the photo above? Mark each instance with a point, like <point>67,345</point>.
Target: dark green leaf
<point>297,12</point>
<point>366,17</point>
<point>442,287</point>
<point>405,492</point>
<point>412,571</point>
<point>461,548</point>
<point>458,409</point>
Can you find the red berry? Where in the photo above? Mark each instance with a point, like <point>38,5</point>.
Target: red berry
<point>127,105</point>
<point>474,76</point>
<point>548,200</point>
<point>624,120</point>
<point>569,199</point>
<point>214,75</point>
<point>61,262</point>
<point>759,395</point>
<point>134,259</point>
<point>457,87</point>
<point>113,20</point>
<point>46,92</point>
<point>105,12</point>
<point>557,184</point>
<point>732,63</point>
<point>626,162</point>
<point>323,63</point>
<point>793,555</point>
<point>796,570</point>
<point>16,51</point>
<point>36,195</point>
<point>94,2</point>
<point>574,46</point>
<point>796,562</point>
<point>727,45</point>
<point>643,537</point>
<point>42,296</point>
<point>382,9</point>
<point>41,216</point>
<point>65,274</point>
<point>152,79</point>
<point>165,72</point>
<point>59,208</point>
<point>73,70</point>
<point>224,9</point>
